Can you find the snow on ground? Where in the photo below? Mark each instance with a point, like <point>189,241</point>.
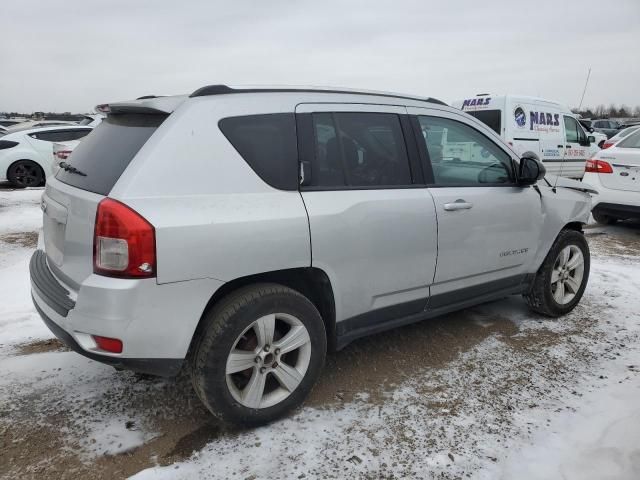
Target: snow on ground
<point>20,221</point>
<point>491,392</point>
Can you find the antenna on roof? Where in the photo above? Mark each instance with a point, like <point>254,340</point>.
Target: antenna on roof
<point>585,88</point>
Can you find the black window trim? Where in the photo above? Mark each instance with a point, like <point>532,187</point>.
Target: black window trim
<point>307,143</point>
<point>428,168</point>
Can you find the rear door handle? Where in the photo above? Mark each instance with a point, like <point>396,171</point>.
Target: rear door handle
<point>457,205</point>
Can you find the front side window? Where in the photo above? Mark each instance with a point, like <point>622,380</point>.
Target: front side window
<point>359,150</point>
<point>571,130</point>
<point>461,155</point>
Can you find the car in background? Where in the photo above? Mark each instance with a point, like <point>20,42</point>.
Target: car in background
<point>543,128</point>
<point>91,120</point>
<point>608,127</point>
<point>600,138</point>
<point>37,123</point>
<point>26,155</point>
<point>9,122</point>
<point>620,135</point>
<point>615,173</point>
<point>630,123</point>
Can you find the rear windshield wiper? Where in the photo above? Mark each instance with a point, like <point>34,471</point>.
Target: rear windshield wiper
<point>68,168</point>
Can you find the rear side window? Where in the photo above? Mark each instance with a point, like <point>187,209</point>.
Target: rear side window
<point>104,155</point>
<point>268,143</point>
<point>359,150</point>
<point>491,118</point>
<point>60,135</point>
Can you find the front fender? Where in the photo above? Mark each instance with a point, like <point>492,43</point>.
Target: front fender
<point>560,207</point>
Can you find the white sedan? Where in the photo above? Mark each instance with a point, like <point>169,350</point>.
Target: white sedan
<point>615,173</point>
<point>26,156</point>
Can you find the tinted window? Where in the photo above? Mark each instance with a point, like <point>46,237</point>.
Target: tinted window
<point>359,150</point>
<point>107,152</point>
<point>460,155</point>
<point>268,144</point>
<point>572,131</point>
<point>491,118</point>
<point>60,135</point>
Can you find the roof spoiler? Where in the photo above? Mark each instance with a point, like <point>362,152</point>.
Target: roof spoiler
<point>148,104</point>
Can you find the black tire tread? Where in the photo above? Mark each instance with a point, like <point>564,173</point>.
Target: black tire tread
<point>219,318</point>
<point>536,297</point>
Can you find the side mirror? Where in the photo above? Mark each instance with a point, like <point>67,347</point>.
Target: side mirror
<point>592,139</point>
<point>531,170</point>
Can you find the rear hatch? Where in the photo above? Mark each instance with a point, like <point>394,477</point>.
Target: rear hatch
<point>71,199</point>
<point>624,159</point>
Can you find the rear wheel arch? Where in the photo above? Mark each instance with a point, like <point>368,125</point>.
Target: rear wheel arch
<point>313,283</point>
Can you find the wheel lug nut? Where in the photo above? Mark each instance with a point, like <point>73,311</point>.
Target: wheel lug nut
<point>266,348</point>
<point>263,369</point>
<point>257,359</point>
<point>277,351</point>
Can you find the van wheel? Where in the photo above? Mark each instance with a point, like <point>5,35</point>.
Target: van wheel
<point>25,173</point>
<point>560,282</point>
<point>261,352</point>
<point>603,219</point>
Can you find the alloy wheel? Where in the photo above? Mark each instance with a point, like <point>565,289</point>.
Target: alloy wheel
<point>567,274</point>
<point>268,360</point>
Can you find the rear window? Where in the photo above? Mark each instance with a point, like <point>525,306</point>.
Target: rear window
<point>632,141</point>
<point>268,144</point>
<point>491,118</point>
<point>102,156</point>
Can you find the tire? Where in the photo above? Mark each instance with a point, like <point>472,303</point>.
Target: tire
<point>603,219</point>
<point>234,323</point>
<point>25,173</point>
<point>543,295</point>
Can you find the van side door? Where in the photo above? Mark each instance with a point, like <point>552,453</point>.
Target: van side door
<point>372,220</point>
<point>577,149</point>
<point>488,226</point>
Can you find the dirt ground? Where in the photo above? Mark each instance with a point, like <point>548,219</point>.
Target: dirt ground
<point>40,437</point>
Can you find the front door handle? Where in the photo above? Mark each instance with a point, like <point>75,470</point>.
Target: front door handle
<point>560,146</point>
<point>457,205</point>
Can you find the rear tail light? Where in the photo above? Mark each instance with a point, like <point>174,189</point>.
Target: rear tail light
<point>607,145</point>
<point>124,243</point>
<point>107,344</point>
<point>598,166</point>
<point>63,154</point>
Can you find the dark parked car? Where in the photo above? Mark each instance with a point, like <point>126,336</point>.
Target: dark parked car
<point>608,127</point>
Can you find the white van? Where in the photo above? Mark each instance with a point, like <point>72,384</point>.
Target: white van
<point>531,124</point>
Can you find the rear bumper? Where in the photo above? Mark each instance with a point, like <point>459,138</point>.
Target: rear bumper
<point>165,367</point>
<point>615,203</point>
<point>155,322</point>
<point>617,210</point>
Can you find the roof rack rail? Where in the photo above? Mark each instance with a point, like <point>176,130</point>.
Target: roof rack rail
<point>224,89</point>
<point>146,97</point>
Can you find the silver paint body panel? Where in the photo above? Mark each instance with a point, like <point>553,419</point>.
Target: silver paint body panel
<point>378,247</point>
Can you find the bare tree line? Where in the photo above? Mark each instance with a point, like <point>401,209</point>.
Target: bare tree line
<point>612,111</point>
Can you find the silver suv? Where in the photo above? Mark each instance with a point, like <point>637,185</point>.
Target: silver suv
<point>240,233</point>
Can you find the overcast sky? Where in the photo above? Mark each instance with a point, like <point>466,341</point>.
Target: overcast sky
<point>69,55</point>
